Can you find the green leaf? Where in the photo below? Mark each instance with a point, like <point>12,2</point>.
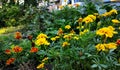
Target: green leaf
<point>41,52</point>
<point>88,55</point>
<point>94,66</point>
<point>82,57</point>
<point>117,64</point>
<point>103,65</point>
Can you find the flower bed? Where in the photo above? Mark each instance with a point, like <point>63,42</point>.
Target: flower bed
<point>79,38</point>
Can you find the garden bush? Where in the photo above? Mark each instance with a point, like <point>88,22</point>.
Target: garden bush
<point>73,38</point>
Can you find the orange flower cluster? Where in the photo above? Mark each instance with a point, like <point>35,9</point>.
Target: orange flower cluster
<point>10,61</point>
<point>7,51</point>
<point>118,42</point>
<point>17,49</point>
<point>34,49</point>
<point>18,35</point>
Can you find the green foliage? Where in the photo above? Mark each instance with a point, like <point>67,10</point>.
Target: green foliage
<point>67,50</point>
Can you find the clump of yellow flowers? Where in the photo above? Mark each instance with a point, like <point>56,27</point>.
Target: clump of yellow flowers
<point>89,19</point>
<point>41,40</point>
<point>65,44</point>
<point>115,21</point>
<point>113,11</point>
<point>84,31</point>
<point>55,38</point>
<point>42,65</point>
<point>104,47</point>
<point>107,31</point>
<point>68,36</point>
<point>67,27</point>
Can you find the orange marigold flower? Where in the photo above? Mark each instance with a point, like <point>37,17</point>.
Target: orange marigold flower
<point>10,61</point>
<point>34,49</point>
<point>18,35</point>
<point>118,42</point>
<point>17,49</point>
<point>7,51</point>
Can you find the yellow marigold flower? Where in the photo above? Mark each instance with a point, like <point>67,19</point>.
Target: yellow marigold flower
<point>100,47</point>
<point>80,20</point>
<point>92,16</point>
<point>40,66</point>
<point>65,44</point>
<point>101,31</point>
<point>87,20</point>
<point>111,46</point>
<point>96,14</point>
<point>46,58</point>
<point>111,27</point>
<point>76,38</point>
<point>68,36</point>
<point>46,43</point>
<point>57,37</point>
<point>72,31</point>
<point>78,27</point>
<point>60,31</point>
<point>86,30</point>
<point>81,33</point>
<point>113,11</point>
<point>53,39</point>
<point>41,41</point>
<point>115,21</point>
<point>106,14</point>
<point>107,31</point>
<point>67,27</point>
<point>42,36</point>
